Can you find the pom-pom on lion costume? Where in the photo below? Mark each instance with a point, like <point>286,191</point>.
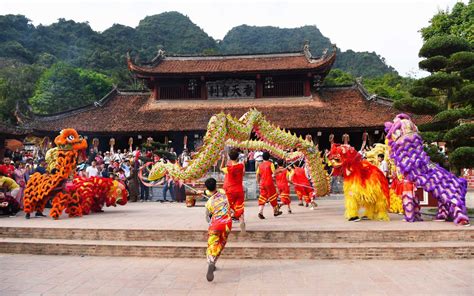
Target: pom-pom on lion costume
<point>406,149</point>
<point>97,192</point>
<point>41,187</point>
<point>364,184</point>
<point>397,186</point>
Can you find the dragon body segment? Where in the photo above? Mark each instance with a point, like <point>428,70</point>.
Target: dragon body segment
<point>225,130</point>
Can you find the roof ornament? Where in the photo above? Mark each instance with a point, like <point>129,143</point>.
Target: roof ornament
<point>306,51</point>
<point>309,56</point>
<point>159,56</point>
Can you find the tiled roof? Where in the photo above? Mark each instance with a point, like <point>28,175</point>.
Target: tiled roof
<point>9,130</point>
<point>138,112</point>
<point>235,64</point>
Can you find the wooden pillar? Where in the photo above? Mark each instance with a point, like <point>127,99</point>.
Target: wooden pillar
<point>203,88</point>
<point>258,87</point>
<point>307,88</point>
<point>156,91</point>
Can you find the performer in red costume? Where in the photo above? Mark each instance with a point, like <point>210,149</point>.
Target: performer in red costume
<point>220,225</point>
<point>234,190</point>
<point>267,186</point>
<point>281,177</point>
<point>303,188</point>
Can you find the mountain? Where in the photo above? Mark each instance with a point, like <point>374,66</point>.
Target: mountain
<point>251,39</point>
<point>76,43</point>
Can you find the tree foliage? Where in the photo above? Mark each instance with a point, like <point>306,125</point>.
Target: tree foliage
<point>17,84</point>
<point>433,64</point>
<point>457,22</point>
<point>54,92</point>
<point>443,46</point>
<point>462,157</point>
<point>417,105</point>
<point>338,77</point>
<point>448,49</point>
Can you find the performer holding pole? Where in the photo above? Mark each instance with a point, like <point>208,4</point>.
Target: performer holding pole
<point>234,176</point>
<point>220,224</point>
<point>281,177</point>
<point>267,186</point>
<point>303,187</point>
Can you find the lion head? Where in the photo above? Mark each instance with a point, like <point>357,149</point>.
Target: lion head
<point>341,155</point>
<point>402,125</point>
<point>69,139</point>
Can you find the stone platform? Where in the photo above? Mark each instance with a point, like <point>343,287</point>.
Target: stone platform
<point>165,230</point>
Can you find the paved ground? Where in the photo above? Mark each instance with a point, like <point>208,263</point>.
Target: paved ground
<point>64,275</point>
<point>155,215</point>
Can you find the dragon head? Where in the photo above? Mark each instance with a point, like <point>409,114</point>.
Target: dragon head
<point>157,171</point>
<point>341,155</point>
<point>117,194</point>
<point>401,126</point>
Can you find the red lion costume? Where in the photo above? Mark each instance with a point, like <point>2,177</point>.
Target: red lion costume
<point>95,192</point>
<point>364,184</point>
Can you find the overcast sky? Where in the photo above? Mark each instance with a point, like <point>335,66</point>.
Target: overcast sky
<point>388,27</point>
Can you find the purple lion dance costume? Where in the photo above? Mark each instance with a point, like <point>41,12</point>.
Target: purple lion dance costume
<point>406,149</point>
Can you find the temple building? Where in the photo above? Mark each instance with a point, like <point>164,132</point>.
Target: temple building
<point>185,91</point>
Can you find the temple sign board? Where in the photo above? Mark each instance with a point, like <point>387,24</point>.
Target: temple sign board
<point>231,88</point>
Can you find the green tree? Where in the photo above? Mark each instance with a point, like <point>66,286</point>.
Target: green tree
<point>337,77</point>
<point>63,87</point>
<point>449,57</point>
<point>17,84</point>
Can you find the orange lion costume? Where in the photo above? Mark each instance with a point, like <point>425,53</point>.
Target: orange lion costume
<point>365,186</point>
<point>41,187</point>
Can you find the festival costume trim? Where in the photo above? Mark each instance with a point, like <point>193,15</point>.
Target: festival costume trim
<point>42,187</point>
<point>225,130</point>
<point>77,197</point>
<point>396,187</point>
<point>220,225</point>
<point>95,192</point>
<point>364,184</point>
<point>406,149</point>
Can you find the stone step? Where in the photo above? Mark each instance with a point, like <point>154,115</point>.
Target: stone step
<point>241,250</point>
<point>316,236</point>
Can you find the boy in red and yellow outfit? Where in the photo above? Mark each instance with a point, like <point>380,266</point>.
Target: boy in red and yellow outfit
<point>234,176</point>
<point>281,177</point>
<point>267,186</point>
<point>220,224</point>
<point>303,187</point>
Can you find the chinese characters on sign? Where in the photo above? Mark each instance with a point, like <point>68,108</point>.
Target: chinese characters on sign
<point>222,89</point>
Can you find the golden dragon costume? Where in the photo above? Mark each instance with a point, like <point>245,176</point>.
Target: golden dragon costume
<point>223,129</point>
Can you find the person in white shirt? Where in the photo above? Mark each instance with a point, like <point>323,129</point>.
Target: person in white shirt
<point>258,156</point>
<point>92,171</point>
<point>383,165</point>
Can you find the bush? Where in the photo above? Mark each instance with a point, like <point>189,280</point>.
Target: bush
<point>442,80</point>
<point>436,126</point>
<point>430,137</point>
<point>468,73</point>
<point>466,94</point>
<point>461,133</point>
<point>462,157</point>
<point>435,155</point>
<point>433,64</point>
<point>453,115</point>
<point>417,105</point>
<point>461,60</point>
<point>443,46</point>
<point>421,91</point>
